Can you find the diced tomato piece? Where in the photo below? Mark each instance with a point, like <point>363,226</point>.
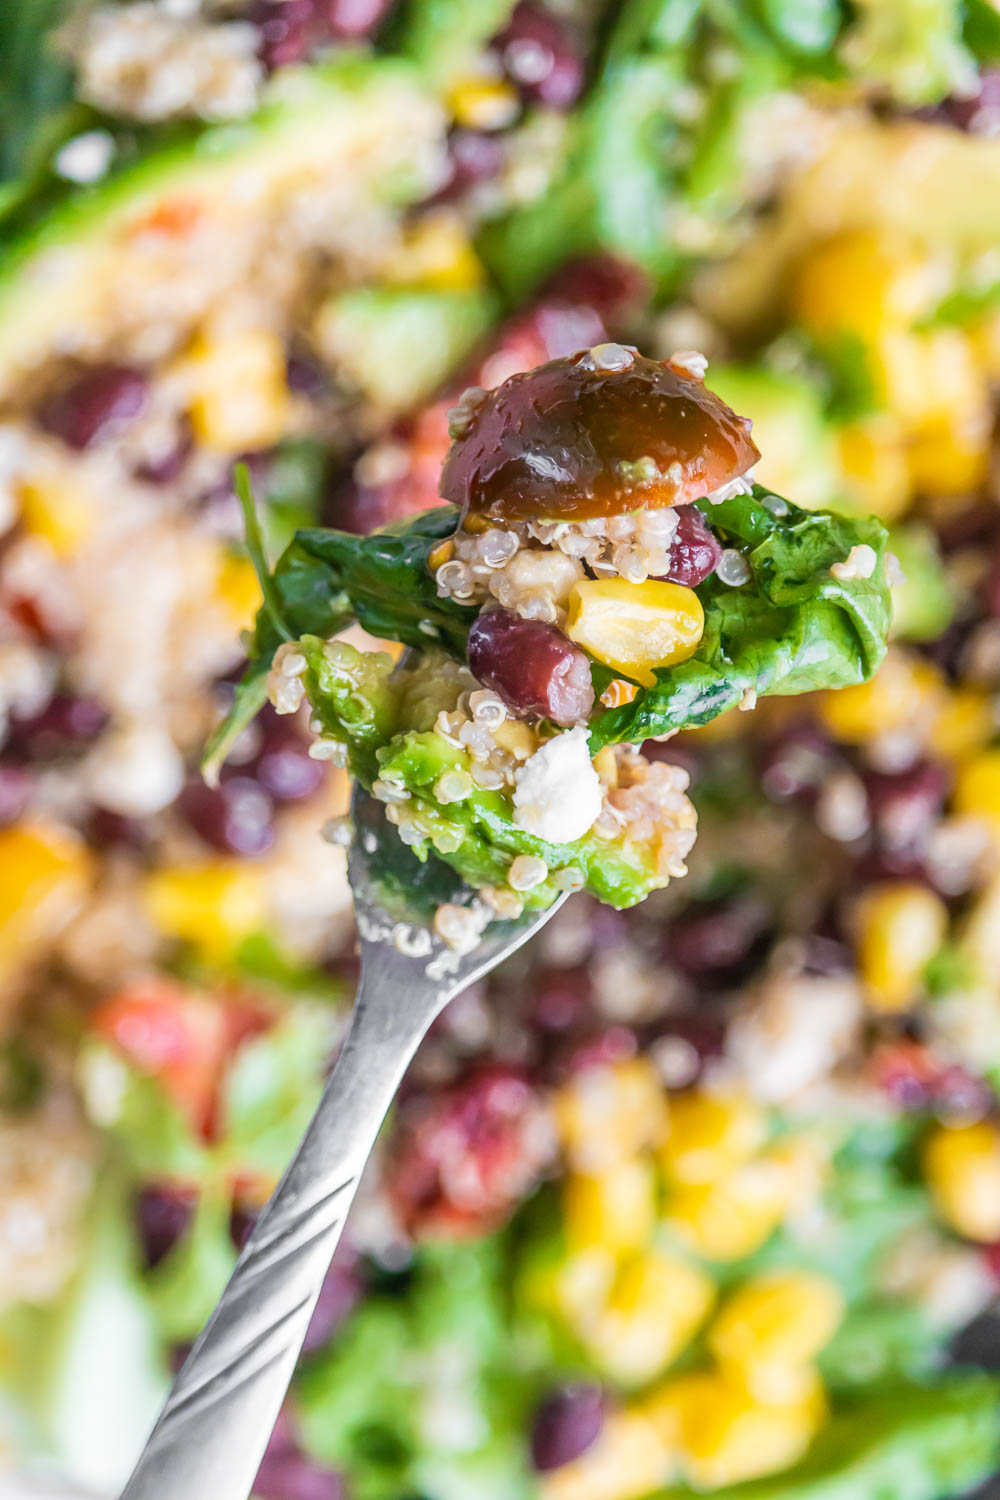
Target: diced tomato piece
<point>174,1034</point>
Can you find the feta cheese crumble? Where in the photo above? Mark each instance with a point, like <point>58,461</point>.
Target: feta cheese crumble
<point>557,792</point>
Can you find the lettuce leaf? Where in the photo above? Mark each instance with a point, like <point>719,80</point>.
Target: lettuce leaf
<point>792,628</point>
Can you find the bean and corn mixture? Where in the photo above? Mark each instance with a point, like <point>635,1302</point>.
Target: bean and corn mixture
<point>704,1193</point>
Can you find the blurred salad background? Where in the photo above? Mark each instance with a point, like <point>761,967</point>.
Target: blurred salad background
<point>701,1198</point>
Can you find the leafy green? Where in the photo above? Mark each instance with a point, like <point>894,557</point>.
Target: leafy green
<point>424,1395</point>
<point>442,35</point>
<point>914,48</point>
<point>34,79</point>
<point>792,628</point>
<point>184,1288</point>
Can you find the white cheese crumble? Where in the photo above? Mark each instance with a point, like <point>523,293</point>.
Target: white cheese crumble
<point>557,792</point>
<point>859,563</point>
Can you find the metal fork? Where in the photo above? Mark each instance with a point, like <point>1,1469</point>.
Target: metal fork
<point>210,1437</point>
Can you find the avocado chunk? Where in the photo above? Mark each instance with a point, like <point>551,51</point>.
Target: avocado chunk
<point>358,122</point>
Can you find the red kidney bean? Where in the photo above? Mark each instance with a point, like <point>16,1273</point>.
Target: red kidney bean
<point>717,940</point>
<point>566,1424</point>
<point>532,666</point>
<point>350,20</point>
<point>237,816</point>
<point>96,403</point>
<point>65,726</point>
<point>168,465</point>
<point>472,157</point>
<point>795,763</point>
<point>694,551</point>
<point>977,113</point>
<point>164,1213</point>
<point>16,784</point>
<point>904,805</point>
<point>539,55</point>
<point>286,31</point>
<point>282,764</point>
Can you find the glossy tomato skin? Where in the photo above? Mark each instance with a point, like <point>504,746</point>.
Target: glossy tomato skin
<point>596,434</point>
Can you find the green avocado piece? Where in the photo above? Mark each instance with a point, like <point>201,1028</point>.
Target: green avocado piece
<point>353,696</point>
<point>923,606</point>
<point>789,428</point>
<point>345,116</point>
<point>398,345</point>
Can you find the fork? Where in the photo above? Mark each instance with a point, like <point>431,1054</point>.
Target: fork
<point>209,1439</point>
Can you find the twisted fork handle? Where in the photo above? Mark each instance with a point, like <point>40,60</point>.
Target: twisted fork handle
<point>210,1437</point>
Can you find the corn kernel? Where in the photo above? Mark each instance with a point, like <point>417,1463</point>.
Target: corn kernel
<point>44,874</point>
<point>771,1327</point>
<point>860,283</point>
<point>977,788</point>
<point>615,1208</point>
<point>59,512</point>
<point>237,390</point>
<point>483,103</point>
<point>985,337</point>
<point>964,723</point>
<point>952,460</point>
<point>580,1282</point>
<point>903,691</point>
<point>979,943</point>
<point>727,1437</point>
<point>608,1114</point>
<point>238,588</point>
<point>874,464</point>
<point>962,1166</point>
<point>635,627</point>
<point>709,1135</point>
<point>900,928</point>
<point>655,1307</point>
<point>732,1217</point>
<point>442,553</point>
<point>436,252</point>
<point>931,381</point>
<point>517,738</point>
<point>212,906</point>
<point>628,1462</point>
<point>606,765</point>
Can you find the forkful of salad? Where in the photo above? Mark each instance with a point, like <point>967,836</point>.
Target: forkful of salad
<point>604,573</point>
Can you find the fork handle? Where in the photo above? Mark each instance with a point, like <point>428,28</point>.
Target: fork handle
<point>210,1437</point>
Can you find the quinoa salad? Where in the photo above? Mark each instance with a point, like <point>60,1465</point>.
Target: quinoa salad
<point>699,1193</point>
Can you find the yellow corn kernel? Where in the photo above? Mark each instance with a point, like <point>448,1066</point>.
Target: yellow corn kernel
<point>615,1209</point>
<point>517,738</point>
<point>726,1437</point>
<point>949,460</point>
<point>59,512</point>
<point>606,765</point>
<point>874,464</point>
<point>44,874</point>
<point>608,1114</point>
<point>903,691</point>
<point>900,927</point>
<point>977,788</point>
<point>483,103</point>
<point>212,906</point>
<point>962,1167</point>
<point>771,1327</point>
<point>237,390</point>
<point>238,588</point>
<point>985,337</point>
<point>964,723</point>
<point>732,1217</point>
<point>979,942</point>
<point>440,554</point>
<point>655,1307</point>
<point>628,1462</point>
<point>860,283</point>
<point>634,627</point>
<point>931,381</point>
<point>436,252</point>
<point>709,1135</point>
<point>577,1285</point>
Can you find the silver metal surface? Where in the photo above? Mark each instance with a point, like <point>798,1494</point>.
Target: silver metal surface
<point>212,1432</point>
